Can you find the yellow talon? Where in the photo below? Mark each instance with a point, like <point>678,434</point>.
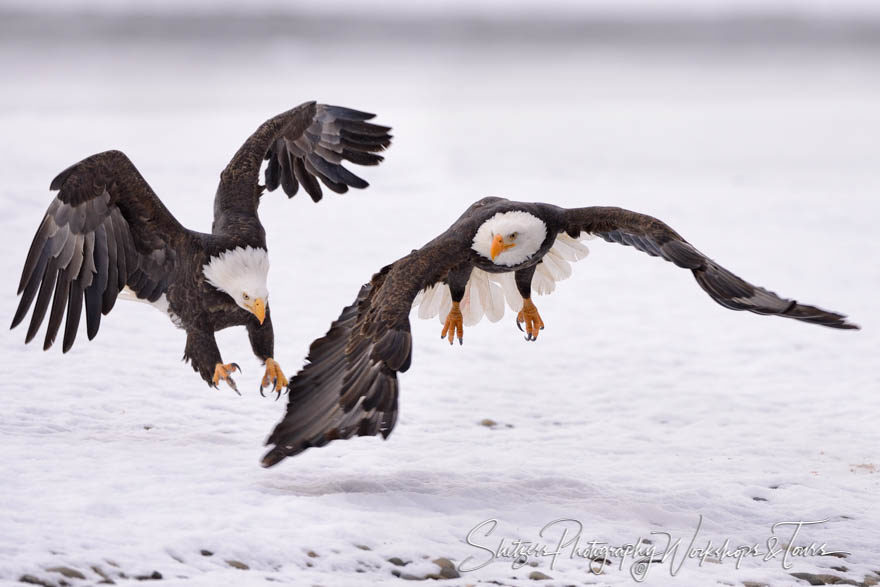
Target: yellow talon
<point>223,372</point>
<point>532,319</point>
<point>454,322</point>
<point>275,376</point>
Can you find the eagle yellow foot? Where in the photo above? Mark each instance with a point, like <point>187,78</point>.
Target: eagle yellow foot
<point>454,322</point>
<point>223,372</point>
<point>275,376</point>
<point>529,315</point>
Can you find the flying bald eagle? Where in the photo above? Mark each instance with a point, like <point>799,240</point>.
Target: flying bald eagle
<point>107,235</point>
<point>497,249</point>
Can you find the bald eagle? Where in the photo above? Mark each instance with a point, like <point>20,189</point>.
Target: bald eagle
<point>498,249</point>
<point>107,235</point>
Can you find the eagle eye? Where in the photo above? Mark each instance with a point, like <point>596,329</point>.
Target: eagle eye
<point>512,236</point>
<point>245,296</point>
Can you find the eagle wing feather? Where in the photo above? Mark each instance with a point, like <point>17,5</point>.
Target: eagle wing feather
<point>105,229</point>
<point>655,238</point>
<point>348,386</point>
<point>302,145</point>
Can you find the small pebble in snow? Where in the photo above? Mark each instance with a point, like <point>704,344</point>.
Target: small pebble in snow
<point>30,579</point>
<point>447,568</point>
<point>237,565</point>
<point>538,576</point>
<point>754,584</point>
<point>67,572</point>
<point>206,552</point>
<point>823,579</point>
<point>154,576</point>
<point>397,561</point>
<point>148,426</point>
<point>488,422</point>
<point>759,499</point>
<point>362,546</point>
<point>106,580</point>
<point>312,554</point>
<point>837,554</point>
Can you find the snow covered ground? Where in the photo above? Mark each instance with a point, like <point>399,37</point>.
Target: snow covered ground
<point>642,406</point>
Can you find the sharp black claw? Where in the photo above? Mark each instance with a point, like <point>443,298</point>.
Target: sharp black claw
<point>460,341</point>
<point>236,367</point>
<point>518,325</point>
<point>261,391</point>
<point>278,395</point>
<point>232,384</point>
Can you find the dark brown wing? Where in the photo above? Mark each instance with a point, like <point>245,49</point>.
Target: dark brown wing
<point>348,386</point>
<point>105,229</point>
<point>303,145</point>
<point>652,236</point>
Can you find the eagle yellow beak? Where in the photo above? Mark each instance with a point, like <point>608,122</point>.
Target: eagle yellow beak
<point>499,246</point>
<point>258,309</point>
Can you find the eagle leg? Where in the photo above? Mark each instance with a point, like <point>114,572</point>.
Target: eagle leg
<point>275,376</point>
<point>223,372</point>
<point>532,319</point>
<point>454,322</point>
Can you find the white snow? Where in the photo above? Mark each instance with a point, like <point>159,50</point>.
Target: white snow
<point>642,406</point>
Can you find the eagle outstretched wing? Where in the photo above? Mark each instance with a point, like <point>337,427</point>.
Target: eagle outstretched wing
<point>655,238</point>
<point>348,386</point>
<point>104,230</point>
<point>303,145</point>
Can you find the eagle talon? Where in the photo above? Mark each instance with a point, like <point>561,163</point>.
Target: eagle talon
<point>454,323</point>
<point>531,318</point>
<point>275,376</point>
<point>223,372</point>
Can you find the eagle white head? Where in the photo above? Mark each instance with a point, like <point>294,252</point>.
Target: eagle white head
<point>510,238</point>
<point>241,273</point>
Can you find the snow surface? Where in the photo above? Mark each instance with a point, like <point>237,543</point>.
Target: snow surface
<point>642,406</point>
